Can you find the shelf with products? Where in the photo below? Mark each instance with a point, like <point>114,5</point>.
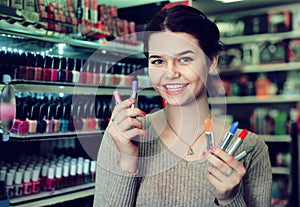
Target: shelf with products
<point>54,197</point>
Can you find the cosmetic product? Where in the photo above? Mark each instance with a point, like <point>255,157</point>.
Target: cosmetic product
<point>83,72</point>
<point>73,172</point>
<point>80,175</point>
<point>91,116</point>
<point>75,71</point>
<point>236,144</point>
<point>89,72</point>
<point>20,125</point>
<point>19,188</point>
<point>78,123</point>
<point>2,173</point>
<point>48,62</point>
<point>50,180</point>
<point>32,122</point>
<point>58,176</point>
<point>134,92</point>
<point>93,170</point>
<point>48,118</point>
<point>65,118</point>
<point>208,133</point>
<point>96,73</point>
<point>66,174</point>
<point>69,68</point>
<point>56,117</point>
<point>54,69</point>
<point>107,73</point>
<point>41,123</point>
<point>27,182</point>
<point>244,153</point>
<point>44,176</point>
<point>229,135</point>
<point>86,170</point>
<point>10,191</point>
<point>38,71</point>
<point>117,97</point>
<point>29,71</point>
<point>36,186</point>
<point>62,69</point>
<point>71,127</point>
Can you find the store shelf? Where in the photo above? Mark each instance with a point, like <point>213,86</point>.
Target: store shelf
<point>281,170</point>
<point>256,99</point>
<point>276,138</point>
<point>260,37</point>
<point>55,136</point>
<point>72,88</point>
<point>263,68</point>
<point>54,197</point>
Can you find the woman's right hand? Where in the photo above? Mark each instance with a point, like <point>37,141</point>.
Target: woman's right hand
<point>124,129</point>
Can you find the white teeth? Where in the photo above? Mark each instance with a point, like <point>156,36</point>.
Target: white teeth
<point>175,86</point>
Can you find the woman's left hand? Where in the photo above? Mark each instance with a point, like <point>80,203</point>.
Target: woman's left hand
<point>225,174</point>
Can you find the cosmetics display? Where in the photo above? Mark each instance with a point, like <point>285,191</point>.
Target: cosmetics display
<point>32,174</point>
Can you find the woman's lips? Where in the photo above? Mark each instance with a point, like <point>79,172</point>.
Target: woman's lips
<point>174,89</point>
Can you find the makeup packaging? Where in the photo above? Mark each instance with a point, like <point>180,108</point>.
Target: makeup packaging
<point>208,133</point>
<point>229,135</point>
<point>236,144</point>
<point>19,188</point>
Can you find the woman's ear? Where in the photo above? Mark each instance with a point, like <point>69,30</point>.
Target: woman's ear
<point>214,63</point>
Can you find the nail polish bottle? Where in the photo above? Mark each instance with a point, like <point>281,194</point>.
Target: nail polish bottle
<point>20,125</point>
<point>93,170</point>
<point>75,71</point>
<point>83,117</point>
<point>48,62</point>
<point>78,123</point>
<point>71,127</point>
<point>41,123</point>
<point>73,180</point>
<point>19,188</point>
<point>89,72</point>
<point>58,176</point>
<point>107,74</point>
<point>80,175</point>
<point>36,185</point>
<point>29,70</point>
<point>86,171</point>
<point>44,176</point>
<point>54,69</point>
<point>48,118</point>
<point>98,116</point>
<point>38,69</point>
<point>65,118</point>
<point>50,180</point>
<point>102,73</point>
<point>83,72</point>
<point>69,68</point>
<point>66,174</point>
<point>91,116</point>
<point>96,73</point>
<point>21,69</point>
<point>10,190</point>
<point>2,174</point>
<point>32,122</point>
<point>27,182</point>
<point>62,70</point>
<point>54,108</point>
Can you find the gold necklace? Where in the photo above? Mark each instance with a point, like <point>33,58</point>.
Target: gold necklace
<point>190,150</point>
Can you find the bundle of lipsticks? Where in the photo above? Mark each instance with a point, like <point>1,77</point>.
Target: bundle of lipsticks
<point>231,150</point>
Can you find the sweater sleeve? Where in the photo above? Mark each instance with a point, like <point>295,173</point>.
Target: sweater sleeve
<point>113,187</point>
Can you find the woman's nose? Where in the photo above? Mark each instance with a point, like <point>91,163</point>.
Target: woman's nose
<point>172,70</point>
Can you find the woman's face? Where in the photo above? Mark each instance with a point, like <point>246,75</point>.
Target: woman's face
<point>178,68</point>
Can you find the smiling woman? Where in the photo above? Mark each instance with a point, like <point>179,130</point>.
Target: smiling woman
<point>161,159</point>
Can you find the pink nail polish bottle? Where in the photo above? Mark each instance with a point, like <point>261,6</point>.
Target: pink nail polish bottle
<point>50,180</point>
<point>27,182</point>
<point>10,190</point>
<point>36,185</point>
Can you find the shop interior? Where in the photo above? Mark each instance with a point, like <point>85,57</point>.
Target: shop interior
<point>61,61</point>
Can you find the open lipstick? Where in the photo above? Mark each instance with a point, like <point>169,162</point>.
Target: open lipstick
<point>236,144</point>
<point>209,135</point>
<point>229,135</point>
<point>134,92</point>
<point>244,153</point>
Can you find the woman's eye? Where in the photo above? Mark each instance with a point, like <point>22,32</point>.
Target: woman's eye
<point>185,59</point>
<point>157,62</point>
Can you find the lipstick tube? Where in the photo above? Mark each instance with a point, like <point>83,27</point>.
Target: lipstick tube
<point>209,135</point>
<point>229,135</point>
<point>117,97</point>
<point>244,153</point>
<point>237,143</point>
<point>134,92</point>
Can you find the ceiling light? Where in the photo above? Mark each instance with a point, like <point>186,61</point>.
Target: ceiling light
<point>228,1</point>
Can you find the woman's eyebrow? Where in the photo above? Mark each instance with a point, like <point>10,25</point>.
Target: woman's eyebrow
<point>154,56</point>
<point>179,54</point>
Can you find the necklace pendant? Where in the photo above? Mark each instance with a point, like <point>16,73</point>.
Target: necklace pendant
<point>190,152</point>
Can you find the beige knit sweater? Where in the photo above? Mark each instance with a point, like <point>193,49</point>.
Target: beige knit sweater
<point>164,180</point>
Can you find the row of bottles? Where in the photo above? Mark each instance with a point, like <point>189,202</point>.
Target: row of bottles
<point>32,66</point>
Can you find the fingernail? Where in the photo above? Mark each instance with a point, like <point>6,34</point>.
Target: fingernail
<point>204,154</point>
<point>213,148</point>
<point>132,100</point>
<point>144,113</point>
